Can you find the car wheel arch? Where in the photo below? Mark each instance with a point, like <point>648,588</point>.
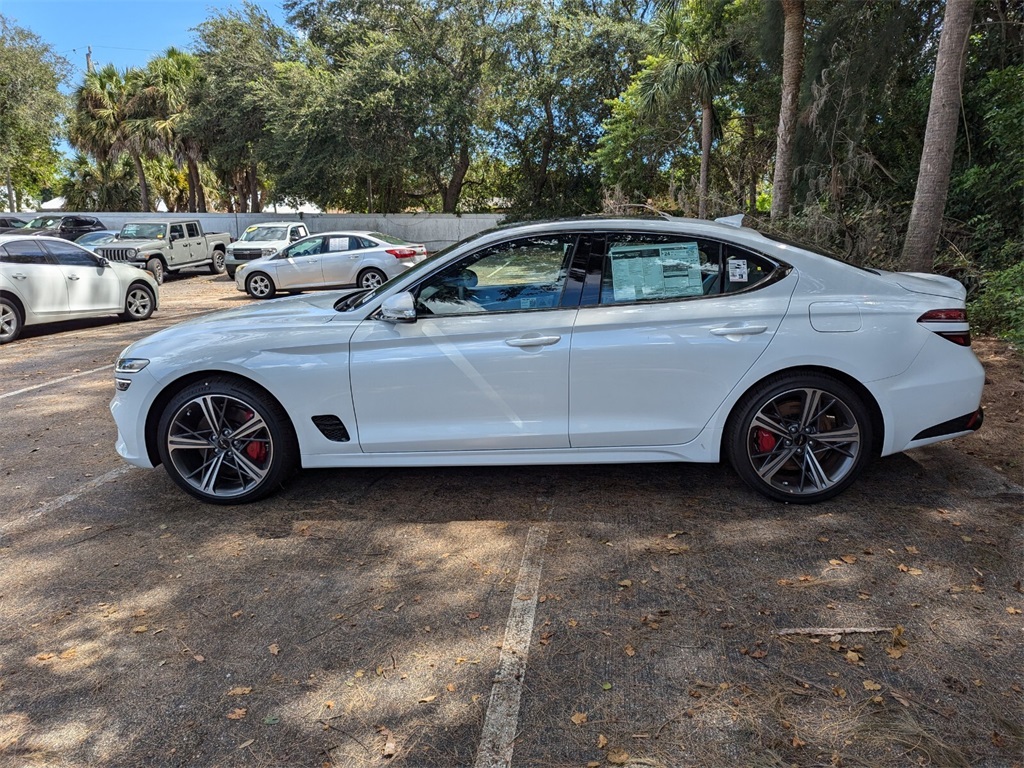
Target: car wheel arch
<point>14,299</point>
<point>865,395</point>
<point>160,403</point>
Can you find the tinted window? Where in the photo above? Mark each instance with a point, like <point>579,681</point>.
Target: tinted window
<point>22,252</point>
<point>514,276</point>
<point>646,267</point>
<point>70,255</point>
<point>177,231</point>
<point>193,229</point>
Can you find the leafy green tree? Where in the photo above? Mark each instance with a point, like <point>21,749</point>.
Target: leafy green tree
<point>695,56</point>
<point>109,122</point>
<point>101,185</point>
<point>30,108</point>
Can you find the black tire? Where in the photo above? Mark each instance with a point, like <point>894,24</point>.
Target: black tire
<point>217,264</point>
<point>230,271</point>
<point>139,303</point>
<point>11,321</point>
<point>260,285</point>
<point>156,267</point>
<point>225,441</point>
<point>800,437</point>
<point>371,278</point>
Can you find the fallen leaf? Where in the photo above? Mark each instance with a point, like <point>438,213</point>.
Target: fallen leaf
<point>626,583</point>
<point>271,720</point>
<point>839,691</point>
<point>450,687</point>
<point>237,714</point>
<point>427,699</point>
<point>849,559</point>
<point>140,629</point>
<point>871,685</point>
<point>199,657</point>
<point>606,686</point>
<point>852,656</point>
<point>895,653</point>
<point>274,649</point>
<point>618,757</point>
<point>1012,611</point>
<point>912,550</point>
<point>579,718</point>
<point>239,691</point>
<point>390,746</point>
<point>602,741</point>
<point>899,698</point>
<point>760,653</point>
<point>798,742</point>
<point>630,651</point>
<point>473,615</point>
<point>245,744</point>
<point>44,656</point>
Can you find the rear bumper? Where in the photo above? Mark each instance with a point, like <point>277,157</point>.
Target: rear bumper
<point>970,422</point>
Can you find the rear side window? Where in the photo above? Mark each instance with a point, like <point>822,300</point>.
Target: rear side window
<point>193,229</point>
<point>651,267</point>
<point>22,252</point>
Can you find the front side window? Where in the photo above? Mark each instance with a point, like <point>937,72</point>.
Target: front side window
<point>302,248</point>
<point>69,255</point>
<point>22,252</point>
<point>177,232</point>
<point>651,267</point>
<point>514,276</point>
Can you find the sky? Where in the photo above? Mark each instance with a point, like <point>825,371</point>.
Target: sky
<point>126,33</point>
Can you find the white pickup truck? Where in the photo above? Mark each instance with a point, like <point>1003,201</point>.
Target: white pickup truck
<point>167,246</point>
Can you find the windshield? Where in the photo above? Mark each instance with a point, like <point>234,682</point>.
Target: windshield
<point>137,231</point>
<point>262,234</point>
<point>44,222</point>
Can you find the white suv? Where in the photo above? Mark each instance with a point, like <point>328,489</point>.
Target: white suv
<point>264,239</point>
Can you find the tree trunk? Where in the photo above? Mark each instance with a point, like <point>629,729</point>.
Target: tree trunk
<point>705,160</point>
<point>254,189</point>
<point>751,167</point>
<point>939,139</point>
<point>143,187</point>
<point>192,184</point>
<point>792,74</point>
<point>453,191</point>
<point>12,204</point>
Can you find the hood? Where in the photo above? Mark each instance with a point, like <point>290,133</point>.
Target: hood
<point>932,285</point>
<point>138,244</point>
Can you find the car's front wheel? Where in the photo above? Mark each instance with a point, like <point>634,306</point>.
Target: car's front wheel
<point>156,267</point>
<point>800,437</point>
<point>139,303</point>
<point>217,264</point>
<point>371,278</point>
<point>226,442</point>
<point>260,286</point>
<point>10,320</point>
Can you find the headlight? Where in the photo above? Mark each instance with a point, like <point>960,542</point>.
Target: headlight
<point>132,253</point>
<point>130,364</point>
<point>268,251</point>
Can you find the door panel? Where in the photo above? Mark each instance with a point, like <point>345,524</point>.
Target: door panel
<point>301,265</point>
<point>40,282</point>
<point>480,382</point>
<point>341,257</point>
<point>90,287</point>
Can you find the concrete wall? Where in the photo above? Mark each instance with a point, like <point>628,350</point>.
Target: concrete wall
<point>434,230</point>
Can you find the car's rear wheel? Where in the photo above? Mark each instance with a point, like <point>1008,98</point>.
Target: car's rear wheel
<point>217,264</point>
<point>260,286</point>
<point>10,320</point>
<point>156,267</point>
<point>226,442</point>
<point>371,278</point>
<point>139,303</point>
<point>800,438</point>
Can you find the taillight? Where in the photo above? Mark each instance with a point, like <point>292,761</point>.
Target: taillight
<point>958,316</point>
<point>401,253</point>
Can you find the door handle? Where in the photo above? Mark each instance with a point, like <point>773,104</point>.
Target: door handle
<point>533,341</point>
<point>73,277</point>
<point>739,330</point>
<point>19,276</point>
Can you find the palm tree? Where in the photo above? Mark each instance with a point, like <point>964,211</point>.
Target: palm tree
<point>792,73</point>
<point>694,58</point>
<point>169,86</point>
<point>106,122</point>
<point>939,138</point>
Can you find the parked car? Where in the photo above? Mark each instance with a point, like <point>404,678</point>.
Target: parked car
<point>11,222</point>
<point>588,341</point>
<point>59,225</point>
<point>168,246</point>
<point>329,260</point>
<point>260,240</point>
<point>46,279</point>
<point>92,240</point>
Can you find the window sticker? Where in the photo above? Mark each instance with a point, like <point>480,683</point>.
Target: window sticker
<point>738,270</point>
<point>251,229</point>
<point>655,272</point>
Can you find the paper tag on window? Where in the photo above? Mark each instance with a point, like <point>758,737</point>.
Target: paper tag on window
<point>738,270</point>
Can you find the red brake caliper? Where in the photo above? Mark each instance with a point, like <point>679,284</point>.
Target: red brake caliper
<point>254,450</point>
<point>764,440</point>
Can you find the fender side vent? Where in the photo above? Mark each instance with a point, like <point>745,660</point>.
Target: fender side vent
<point>332,428</point>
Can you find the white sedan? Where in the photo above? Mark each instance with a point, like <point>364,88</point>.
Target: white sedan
<point>570,342</point>
<point>329,260</point>
<point>47,279</point>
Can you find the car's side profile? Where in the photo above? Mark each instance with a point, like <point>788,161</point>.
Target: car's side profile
<point>48,279</point>
<point>587,341</point>
<point>329,260</point>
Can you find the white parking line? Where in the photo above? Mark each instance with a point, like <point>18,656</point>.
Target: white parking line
<point>56,381</point>
<point>500,725</point>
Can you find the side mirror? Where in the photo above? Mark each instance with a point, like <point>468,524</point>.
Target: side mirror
<point>102,262</point>
<point>400,308</point>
